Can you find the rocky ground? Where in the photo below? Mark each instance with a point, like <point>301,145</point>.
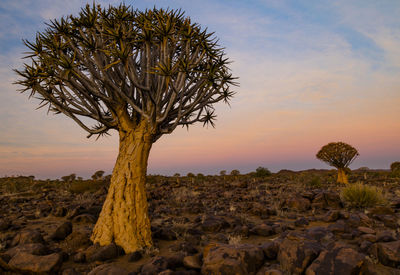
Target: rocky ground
<point>287,223</point>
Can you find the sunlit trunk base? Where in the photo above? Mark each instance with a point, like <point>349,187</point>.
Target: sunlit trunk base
<point>124,218</point>
<point>342,176</point>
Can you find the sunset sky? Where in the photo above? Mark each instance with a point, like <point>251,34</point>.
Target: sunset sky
<point>310,72</point>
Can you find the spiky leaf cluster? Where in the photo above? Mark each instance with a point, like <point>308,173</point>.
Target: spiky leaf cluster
<point>120,64</point>
<point>337,154</point>
<point>395,166</point>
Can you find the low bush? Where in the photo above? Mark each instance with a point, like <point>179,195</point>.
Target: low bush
<point>262,172</point>
<point>359,195</point>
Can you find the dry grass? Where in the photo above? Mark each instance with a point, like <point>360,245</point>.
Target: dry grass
<point>360,195</point>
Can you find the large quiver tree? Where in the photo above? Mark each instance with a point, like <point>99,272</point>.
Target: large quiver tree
<point>140,73</point>
<point>339,155</point>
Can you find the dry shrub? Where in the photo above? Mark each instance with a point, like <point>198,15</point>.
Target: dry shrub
<point>359,195</point>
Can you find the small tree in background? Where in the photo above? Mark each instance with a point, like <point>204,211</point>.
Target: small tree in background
<point>262,172</point>
<point>139,73</point>
<point>395,168</point>
<point>235,173</point>
<point>339,155</point>
<point>98,175</point>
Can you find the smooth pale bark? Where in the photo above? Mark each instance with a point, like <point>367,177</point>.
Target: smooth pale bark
<point>342,176</point>
<point>124,218</point>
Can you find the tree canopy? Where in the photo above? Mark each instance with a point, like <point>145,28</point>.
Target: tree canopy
<point>337,154</point>
<point>113,68</point>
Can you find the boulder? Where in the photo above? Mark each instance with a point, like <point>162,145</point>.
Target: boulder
<point>296,253</point>
<point>337,260</point>
<point>29,236</point>
<point>327,199</point>
<point>155,266</point>
<point>103,253</point>
<point>31,248</point>
<point>263,230</point>
<point>213,224</point>
<point>25,262</point>
<point>388,253</point>
<point>370,268</point>
<point>270,249</point>
<point>298,203</point>
<point>232,259</point>
<point>193,261</point>
<point>62,231</point>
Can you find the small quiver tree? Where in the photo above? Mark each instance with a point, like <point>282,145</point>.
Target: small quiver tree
<point>140,73</point>
<point>339,155</point>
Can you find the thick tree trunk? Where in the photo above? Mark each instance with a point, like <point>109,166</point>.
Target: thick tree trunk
<point>342,176</point>
<point>124,217</point>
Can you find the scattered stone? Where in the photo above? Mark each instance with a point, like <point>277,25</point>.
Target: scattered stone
<point>301,222</point>
<point>213,224</point>
<point>270,250</point>
<point>103,253</point>
<point>366,230</point>
<point>386,236</point>
<point>84,218</point>
<point>4,224</point>
<point>70,271</point>
<point>193,261</point>
<point>298,203</point>
<point>59,211</point>
<point>337,260</point>
<point>327,199</point>
<point>296,253</point>
<point>232,259</point>
<point>79,257</point>
<point>388,253</point>
<point>262,230</point>
<point>331,216</point>
<point>25,262</point>
<point>135,256</point>
<point>155,266</point>
<point>31,248</point>
<point>62,231</point>
<point>370,268</point>
<point>25,237</point>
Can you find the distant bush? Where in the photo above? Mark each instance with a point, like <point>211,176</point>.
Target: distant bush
<point>190,175</point>
<point>359,195</point>
<point>395,168</point>
<point>315,182</point>
<point>235,172</point>
<point>262,172</point>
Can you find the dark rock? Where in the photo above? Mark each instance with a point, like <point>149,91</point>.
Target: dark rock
<point>387,253</point>
<point>25,262</point>
<point>366,230</point>
<point>331,216</point>
<point>298,203</point>
<point>270,250</point>
<point>365,246</point>
<point>296,253</point>
<point>103,253</point>
<point>31,248</point>
<point>262,230</point>
<point>353,220</point>
<point>30,236</point>
<point>301,222</point>
<point>368,237</point>
<point>386,236</point>
<point>339,227</point>
<point>108,269</point>
<point>59,211</point>
<point>135,256</point>
<point>337,260</point>
<point>62,231</point>
<point>370,268</point>
<point>155,266</point>
<point>75,212</point>
<point>213,224</point>
<point>84,218</point>
<point>269,271</point>
<point>319,233</point>
<point>165,233</point>
<point>4,224</point>
<point>232,259</point>
<point>79,257</point>
<point>193,261</point>
<point>78,239</point>
<point>326,199</point>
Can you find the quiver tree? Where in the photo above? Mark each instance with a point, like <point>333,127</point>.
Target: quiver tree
<point>339,155</point>
<point>140,73</point>
<point>395,168</point>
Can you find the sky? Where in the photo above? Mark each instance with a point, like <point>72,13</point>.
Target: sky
<point>310,73</point>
